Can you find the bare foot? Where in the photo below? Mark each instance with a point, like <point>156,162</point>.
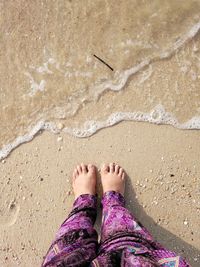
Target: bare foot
<point>84,180</point>
<point>113,178</point>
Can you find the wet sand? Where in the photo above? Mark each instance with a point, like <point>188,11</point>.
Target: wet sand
<point>163,189</point>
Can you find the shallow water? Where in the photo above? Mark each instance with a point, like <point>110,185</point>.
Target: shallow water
<point>51,80</point>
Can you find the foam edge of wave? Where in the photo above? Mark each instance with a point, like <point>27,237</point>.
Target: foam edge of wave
<point>158,115</point>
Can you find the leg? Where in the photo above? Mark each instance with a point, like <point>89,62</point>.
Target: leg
<point>115,214</point>
<point>117,219</point>
<point>123,238</point>
<point>76,240</point>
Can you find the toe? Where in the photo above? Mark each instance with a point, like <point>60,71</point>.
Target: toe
<point>121,171</point>
<point>112,166</point>
<point>75,174</point>
<point>117,169</point>
<point>91,168</point>
<point>84,168</point>
<point>105,168</point>
<point>79,169</point>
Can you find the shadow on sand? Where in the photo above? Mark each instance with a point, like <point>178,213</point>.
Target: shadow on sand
<point>169,240</point>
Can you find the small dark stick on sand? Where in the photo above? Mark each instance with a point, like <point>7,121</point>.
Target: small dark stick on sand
<point>104,62</point>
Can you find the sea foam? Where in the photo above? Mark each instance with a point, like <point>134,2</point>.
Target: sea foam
<point>156,116</point>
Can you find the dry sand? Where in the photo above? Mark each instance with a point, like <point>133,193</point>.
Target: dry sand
<point>163,187</point>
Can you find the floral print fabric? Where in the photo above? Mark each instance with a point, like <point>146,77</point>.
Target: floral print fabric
<point>124,241</point>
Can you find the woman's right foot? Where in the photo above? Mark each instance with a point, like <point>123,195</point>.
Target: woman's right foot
<point>113,178</point>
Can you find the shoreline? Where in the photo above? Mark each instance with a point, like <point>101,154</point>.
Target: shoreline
<point>162,118</point>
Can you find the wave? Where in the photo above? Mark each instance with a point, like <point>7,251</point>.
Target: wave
<point>125,75</point>
<point>157,116</point>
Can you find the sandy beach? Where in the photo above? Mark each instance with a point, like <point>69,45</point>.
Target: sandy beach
<point>163,169</point>
<point>51,82</point>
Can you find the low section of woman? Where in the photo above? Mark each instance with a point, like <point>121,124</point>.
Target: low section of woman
<point>124,241</point>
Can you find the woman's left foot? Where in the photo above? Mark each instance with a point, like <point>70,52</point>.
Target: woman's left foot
<point>84,180</point>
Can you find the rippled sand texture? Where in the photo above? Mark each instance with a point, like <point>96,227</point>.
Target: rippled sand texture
<point>48,71</point>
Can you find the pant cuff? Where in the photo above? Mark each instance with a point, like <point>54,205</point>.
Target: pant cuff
<point>112,198</point>
<point>85,201</point>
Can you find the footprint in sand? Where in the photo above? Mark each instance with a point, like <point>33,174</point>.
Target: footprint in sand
<point>9,214</point>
